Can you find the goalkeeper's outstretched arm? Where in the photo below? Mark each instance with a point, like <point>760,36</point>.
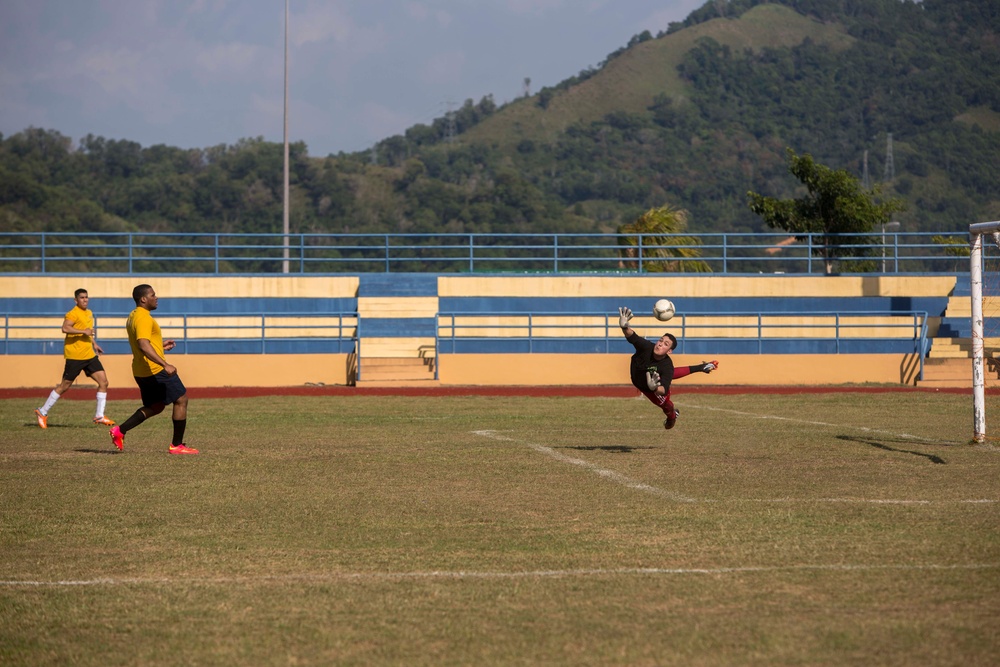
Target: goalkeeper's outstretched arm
<point>703,367</point>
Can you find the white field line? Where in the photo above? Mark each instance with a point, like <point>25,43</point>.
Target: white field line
<point>758,415</point>
<point>618,478</point>
<point>611,475</point>
<point>471,574</point>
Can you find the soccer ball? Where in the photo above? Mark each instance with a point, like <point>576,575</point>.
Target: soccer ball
<point>663,309</point>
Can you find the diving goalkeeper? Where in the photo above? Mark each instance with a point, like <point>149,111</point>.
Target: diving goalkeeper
<point>652,369</point>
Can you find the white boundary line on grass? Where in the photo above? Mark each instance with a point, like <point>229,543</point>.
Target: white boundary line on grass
<point>865,429</point>
<point>616,477</point>
<point>758,415</point>
<point>467,574</point>
<point>619,478</point>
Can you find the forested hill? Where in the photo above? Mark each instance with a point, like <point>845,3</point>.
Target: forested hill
<point>693,117</point>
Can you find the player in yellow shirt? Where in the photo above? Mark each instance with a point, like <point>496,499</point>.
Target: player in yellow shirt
<point>159,384</point>
<point>81,350</point>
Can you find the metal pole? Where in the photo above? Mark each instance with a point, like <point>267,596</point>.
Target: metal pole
<point>883,247</point>
<point>284,264</point>
<point>978,376</point>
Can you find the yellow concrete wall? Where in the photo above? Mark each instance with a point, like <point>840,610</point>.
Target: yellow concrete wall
<point>197,370</point>
<point>735,369</point>
<point>475,369</point>
<point>397,306</point>
<point>289,370</point>
<point>697,326</point>
<point>677,286</point>
<point>181,286</point>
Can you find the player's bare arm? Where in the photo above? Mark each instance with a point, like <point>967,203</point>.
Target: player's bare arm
<point>150,352</point>
<point>68,328</point>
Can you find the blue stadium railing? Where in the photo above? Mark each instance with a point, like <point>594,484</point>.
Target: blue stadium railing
<point>215,253</point>
<point>697,333</point>
<point>510,332</point>
<point>231,333</point>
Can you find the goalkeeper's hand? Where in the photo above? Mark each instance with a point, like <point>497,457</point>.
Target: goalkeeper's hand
<point>652,380</point>
<point>709,366</point>
<point>624,315</point>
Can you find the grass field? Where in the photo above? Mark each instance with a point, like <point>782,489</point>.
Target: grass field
<point>822,529</point>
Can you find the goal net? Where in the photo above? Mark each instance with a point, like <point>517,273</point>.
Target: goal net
<point>984,283</point>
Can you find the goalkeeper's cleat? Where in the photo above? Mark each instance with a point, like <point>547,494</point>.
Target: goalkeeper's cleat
<point>670,421</point>
<point>43,421</point>
<point>182,449</point>
<point>710,365</point>
<point>104,421</point>
<point>117,438</point>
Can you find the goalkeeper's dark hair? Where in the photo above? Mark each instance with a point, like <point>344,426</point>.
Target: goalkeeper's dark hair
<point>140,291</point>
<point>76,294</point>
<point>673,341</point>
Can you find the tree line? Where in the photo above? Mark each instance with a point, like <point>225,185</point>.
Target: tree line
<point>923,71</point>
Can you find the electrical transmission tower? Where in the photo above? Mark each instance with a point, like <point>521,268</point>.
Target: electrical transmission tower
<point>890,168</point>
<point>450,132</point>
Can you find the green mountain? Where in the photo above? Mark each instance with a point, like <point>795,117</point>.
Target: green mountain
<point>692,118</point>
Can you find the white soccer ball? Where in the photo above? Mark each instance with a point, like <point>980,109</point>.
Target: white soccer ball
<point>663,309</point>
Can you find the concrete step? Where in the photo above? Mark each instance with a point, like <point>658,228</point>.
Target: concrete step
<point>948,370</point>
<point>962,348</point>
<point>395,369</point>
<point>394,362</point>
<point>945,384</point>
<point>398,383</point>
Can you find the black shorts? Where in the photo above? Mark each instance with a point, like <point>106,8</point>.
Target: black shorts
<point>74,367</point>
<point>160,388</point>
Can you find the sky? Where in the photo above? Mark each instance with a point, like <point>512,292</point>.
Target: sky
<point>199,73</point>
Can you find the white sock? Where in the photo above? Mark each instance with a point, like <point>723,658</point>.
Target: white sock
<point>102,399</point>
<point>53,397</point>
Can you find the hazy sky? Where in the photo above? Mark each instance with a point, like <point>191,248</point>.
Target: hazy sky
<point>198,73</point>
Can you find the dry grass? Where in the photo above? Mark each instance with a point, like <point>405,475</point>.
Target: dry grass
<point>834,529</point>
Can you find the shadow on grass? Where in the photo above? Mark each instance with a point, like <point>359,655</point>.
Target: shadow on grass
<point>94,451</point>
<point>933,458</point>
<point>614,449</point>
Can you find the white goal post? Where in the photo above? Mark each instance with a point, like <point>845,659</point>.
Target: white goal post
<point>976,253</point>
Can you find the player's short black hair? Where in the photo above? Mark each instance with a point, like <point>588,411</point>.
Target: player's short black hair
<point>140,291</point>
<point>673,341</point>
<point>76,294</point>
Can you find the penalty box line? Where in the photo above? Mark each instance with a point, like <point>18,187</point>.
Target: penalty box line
<point>472,574</point>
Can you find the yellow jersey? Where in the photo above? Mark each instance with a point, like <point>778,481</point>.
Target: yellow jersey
<point>79,347</point>
<point>140,324</point>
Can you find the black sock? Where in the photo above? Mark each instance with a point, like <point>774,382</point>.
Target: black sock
<point>132,421</point>
<point>179,426</point>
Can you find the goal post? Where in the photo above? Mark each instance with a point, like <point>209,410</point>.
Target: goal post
<point>976,265</point>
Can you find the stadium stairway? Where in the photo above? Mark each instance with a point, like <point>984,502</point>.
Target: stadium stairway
<point>949,363</point>
<point>396,339</point>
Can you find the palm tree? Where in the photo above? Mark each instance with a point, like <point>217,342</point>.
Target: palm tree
<point>658,233</point>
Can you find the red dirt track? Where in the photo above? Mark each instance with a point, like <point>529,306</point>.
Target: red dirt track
<point>607,391</point>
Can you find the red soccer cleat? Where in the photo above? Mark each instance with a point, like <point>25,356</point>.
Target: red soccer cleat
<point>117,437</point>
<point>182,449</point>
<point>43,421</point>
